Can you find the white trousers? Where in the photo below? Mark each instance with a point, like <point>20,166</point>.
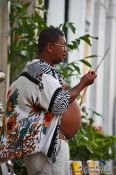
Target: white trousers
<point>38,164</point>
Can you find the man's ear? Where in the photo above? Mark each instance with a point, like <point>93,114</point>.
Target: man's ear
<point>49,47</point>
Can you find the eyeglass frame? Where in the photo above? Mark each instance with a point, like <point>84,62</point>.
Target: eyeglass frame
<point>61,45</point>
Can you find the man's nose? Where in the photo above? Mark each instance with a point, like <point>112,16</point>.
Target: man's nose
<point>65,48</point>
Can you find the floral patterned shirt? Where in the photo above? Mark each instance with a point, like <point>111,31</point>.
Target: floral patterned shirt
<point>35,103</point>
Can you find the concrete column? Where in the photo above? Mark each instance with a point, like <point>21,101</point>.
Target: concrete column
<point>98,48</point>
<point>110,68</point>
<point>76,15</point>
<point>77,11</point>
<point>56,11</point>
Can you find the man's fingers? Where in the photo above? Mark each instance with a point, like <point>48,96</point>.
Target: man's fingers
<point>92,72</point>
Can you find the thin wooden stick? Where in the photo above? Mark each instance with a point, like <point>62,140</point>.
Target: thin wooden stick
<point>99,64</point>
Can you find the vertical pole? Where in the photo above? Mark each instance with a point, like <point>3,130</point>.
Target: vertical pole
<point>4,47</point>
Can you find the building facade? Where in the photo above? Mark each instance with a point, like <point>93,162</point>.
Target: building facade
<point>98,18</point>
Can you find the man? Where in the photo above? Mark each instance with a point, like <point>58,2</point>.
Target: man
<point>36,101</point>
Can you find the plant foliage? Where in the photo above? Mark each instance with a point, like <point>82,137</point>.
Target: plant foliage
<point>92,143</point>
<point>24,31</point>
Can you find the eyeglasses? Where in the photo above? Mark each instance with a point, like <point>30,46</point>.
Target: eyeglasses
<point>61,45</point>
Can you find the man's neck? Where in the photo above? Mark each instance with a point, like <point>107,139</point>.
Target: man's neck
<point>45,58</point>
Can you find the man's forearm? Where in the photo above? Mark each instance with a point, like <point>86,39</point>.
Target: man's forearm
<point>75,91</point>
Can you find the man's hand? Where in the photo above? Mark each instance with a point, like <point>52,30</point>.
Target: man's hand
<point>88,78</point>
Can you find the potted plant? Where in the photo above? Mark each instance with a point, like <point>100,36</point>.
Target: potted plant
<point>91,143</point>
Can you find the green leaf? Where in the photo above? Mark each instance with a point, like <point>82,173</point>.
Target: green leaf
<point>66,25</point>
<point>97,114</point>
<point>26,6</point>
<point>72,47</point>
<point>76,68</point>
<point>86,39</point>
<point>72,27</point>
<point>89,148</point>
<point>94,37</point>
<point>94,112</point>
<point>91,56</point>
<point>85,62</point>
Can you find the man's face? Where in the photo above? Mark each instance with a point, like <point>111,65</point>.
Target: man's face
<point>59,50</point>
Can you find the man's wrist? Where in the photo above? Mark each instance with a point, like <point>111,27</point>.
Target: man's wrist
<point>81,85</point>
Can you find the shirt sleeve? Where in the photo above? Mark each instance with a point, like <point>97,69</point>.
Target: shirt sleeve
<point>52,97</point>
